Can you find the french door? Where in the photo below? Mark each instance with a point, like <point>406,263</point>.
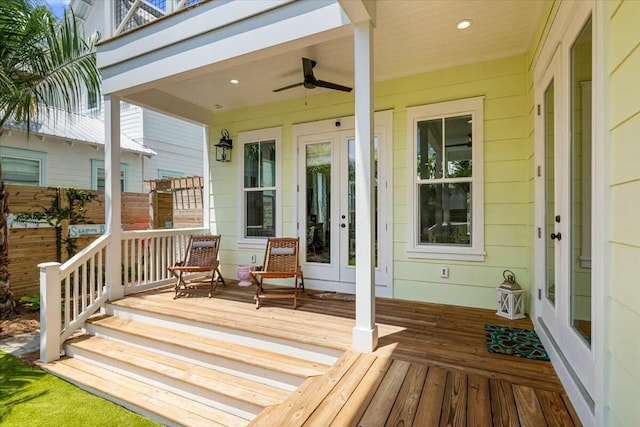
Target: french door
<point>564,202</point>
<point>327,216</point>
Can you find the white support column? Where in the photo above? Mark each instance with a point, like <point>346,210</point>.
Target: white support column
<point>112,196</point>
<point>206,176</point>
<point>365,332</point>
<point>50,311</point>
<point>109,19</point>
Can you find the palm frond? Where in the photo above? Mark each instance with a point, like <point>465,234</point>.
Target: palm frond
<point>44,62</point>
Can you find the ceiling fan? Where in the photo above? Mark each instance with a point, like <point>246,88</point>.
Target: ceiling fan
<point>310,81</point>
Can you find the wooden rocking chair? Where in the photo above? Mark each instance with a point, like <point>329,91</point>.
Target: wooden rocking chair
<point>201,257</point>
<point>280,262</point>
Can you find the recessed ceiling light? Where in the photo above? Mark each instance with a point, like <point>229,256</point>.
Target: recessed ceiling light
<point>234,81</point>
<point>464,24</point>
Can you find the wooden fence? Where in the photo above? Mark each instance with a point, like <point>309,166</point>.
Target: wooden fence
<point>28,247</point>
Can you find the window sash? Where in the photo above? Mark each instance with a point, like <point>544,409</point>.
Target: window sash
<point>21,171</point>
<point>458,149</point>
<point>259,174</point>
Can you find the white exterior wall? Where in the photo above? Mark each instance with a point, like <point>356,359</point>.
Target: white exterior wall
<point>131,122</point>
<point>178,144</point>
<point>70,165</point>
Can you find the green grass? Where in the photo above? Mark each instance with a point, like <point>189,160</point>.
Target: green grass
<point>30,397</point>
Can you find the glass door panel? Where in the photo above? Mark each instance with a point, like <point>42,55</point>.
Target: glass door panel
<point>351,200</point>
<point>581,184</point>
<point>318,202</point>
<point>550,193</point>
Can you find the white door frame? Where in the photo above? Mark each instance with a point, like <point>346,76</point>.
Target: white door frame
<point>583,380</point>
<point>384,128</point>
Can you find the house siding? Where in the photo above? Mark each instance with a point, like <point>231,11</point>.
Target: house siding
<point>507,152</point>
<point>70,165</point>
<point>179,142</point>
<point>624,294</point>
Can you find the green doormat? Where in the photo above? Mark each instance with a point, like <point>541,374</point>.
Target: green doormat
<point>514,341</point>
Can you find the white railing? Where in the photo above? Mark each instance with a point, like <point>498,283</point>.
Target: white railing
<point>130,14</point>
<point>71,292</point>
<point>147,254</point>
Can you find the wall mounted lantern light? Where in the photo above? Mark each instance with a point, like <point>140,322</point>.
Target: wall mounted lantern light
<point>224,147</point>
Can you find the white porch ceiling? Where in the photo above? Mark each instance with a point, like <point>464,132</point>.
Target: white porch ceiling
<point>411,36</point>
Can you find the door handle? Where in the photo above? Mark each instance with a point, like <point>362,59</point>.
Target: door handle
<point>556,236</point>
<point>343,225</point>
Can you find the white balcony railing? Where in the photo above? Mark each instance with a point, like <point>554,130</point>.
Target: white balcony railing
<point>71,292</point>
<point>130,14</point>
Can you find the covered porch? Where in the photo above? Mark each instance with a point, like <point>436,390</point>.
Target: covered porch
<point>439,218</point>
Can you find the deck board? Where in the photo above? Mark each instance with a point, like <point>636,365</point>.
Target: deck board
<point>431,366</point>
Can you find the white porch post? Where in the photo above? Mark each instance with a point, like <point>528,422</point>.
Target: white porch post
<point>206,177</point>
<point>50,313</point>
<point>109,19</point>
<point>365,332</point>
<point>112,196</point>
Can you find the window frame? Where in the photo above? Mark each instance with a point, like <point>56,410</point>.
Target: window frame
<point>167,174</point>
<point>468,106</point>
<point>99,164</point>
<point>21,154</point>
<point>250,137</point>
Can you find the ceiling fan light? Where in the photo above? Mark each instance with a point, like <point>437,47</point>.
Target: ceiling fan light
<point>464,24</point>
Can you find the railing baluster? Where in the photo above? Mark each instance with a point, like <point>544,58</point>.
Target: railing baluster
<point>92,279</point>
<point>76,286</point>
<point>67,300</point>
<point>139,265</point>
<point>84,286</point>
<point>152,260</point>
<point>125,266</point>
<point>100,273</point>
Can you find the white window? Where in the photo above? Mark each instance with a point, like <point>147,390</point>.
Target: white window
<point>92,100</point>
<point>260,184</point>
<point>165,173</point>
<point>98,175</point>
<point>446,204</point>
<point>22,167</point>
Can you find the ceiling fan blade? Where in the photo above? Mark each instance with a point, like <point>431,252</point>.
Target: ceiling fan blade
<point>288,87</point>
<point>307,68</point>
<point>329,85</point>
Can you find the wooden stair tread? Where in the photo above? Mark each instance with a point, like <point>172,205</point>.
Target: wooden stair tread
<point>301,405</point>
<point>207,379</point>
<point>151,399</point>
<point>285,329</point>
<point>249,355</point>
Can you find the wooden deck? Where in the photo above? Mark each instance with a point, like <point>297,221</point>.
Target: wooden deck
<point>431,367</point>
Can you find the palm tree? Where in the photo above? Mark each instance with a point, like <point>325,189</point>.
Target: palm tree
<point>44,64</point>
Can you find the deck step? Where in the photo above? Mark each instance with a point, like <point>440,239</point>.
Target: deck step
<point>281,325</point>
<point>310,342</point>
<point>152,402</point>
<point>232,394</point>
<point>218,354</point>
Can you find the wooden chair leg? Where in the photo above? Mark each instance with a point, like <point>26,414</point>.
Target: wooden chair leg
<point>258,292</point>
<point>178,283</point>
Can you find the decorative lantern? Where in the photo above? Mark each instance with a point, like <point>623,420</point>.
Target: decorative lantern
<point>510,297</point>
<point>224,147</point>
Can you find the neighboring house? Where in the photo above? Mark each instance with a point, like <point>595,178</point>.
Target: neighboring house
<point>179,143</point>
<point>155,145</point>
<point>67,151</point>
<point>508,145</point>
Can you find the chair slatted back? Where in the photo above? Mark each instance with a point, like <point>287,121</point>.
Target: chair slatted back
<point>281,255</point>
<point>203,251</point>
